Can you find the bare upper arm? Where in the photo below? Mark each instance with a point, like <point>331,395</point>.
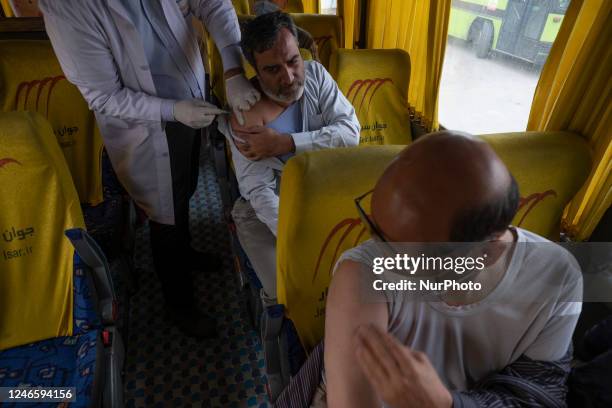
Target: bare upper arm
<point>260,114</point>
<point>346,310</point>
<point>252,117</point>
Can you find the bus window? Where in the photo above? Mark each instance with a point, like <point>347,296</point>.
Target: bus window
<point>329,6</point>
<point>494,56</point>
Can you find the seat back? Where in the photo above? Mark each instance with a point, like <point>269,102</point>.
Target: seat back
<point>6,8</point>
<point>242,6</point>
<point>326,31</point>
<point>294,6</point>
<point>36,259</point>
<point>376,83</point>
<point>32,79</point>
<point>318,220</point>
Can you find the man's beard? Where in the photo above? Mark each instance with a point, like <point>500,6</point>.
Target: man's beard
<point>280,97</point>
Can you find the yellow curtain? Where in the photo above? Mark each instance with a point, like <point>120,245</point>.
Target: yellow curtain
<point>420,27</point>
<point>574,93</point>
<point>311,6</point>
<point>348,10</point>
<point>6,7</point>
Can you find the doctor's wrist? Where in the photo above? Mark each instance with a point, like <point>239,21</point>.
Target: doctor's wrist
<point>167,110</point>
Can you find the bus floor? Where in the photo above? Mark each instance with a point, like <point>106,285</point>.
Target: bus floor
<point>164,368</point>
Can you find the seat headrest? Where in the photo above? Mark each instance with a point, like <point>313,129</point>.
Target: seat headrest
<point>326,31</point>
<point>241,6</point>
<point>318,220</point>
<point>32,79</point>
<point>376,83</point>
<point>36,260</point>
<point>294,6</point>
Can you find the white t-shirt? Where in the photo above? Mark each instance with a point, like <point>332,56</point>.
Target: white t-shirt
<point>465,343</point>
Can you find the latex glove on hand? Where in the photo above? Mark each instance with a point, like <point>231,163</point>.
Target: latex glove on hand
<point>241,95</point>
<point>196,113</point>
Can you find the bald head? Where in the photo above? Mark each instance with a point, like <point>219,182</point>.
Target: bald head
<point>447,186</point>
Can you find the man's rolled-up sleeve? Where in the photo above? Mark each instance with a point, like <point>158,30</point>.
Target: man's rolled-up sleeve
<point>88,63</point>
<point>525,382</point>
<point>219,18</point>
<point>341,126</point>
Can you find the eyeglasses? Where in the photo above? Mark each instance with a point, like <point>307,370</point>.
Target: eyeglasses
<point>373,229</point>
<point>375,233</point>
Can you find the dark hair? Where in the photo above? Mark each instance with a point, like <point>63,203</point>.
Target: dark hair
<point>478,224</point>
<point>260,34</point>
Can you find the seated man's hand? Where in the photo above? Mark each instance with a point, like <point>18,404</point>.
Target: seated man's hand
<point>401,377</point>
<point>260,142</point>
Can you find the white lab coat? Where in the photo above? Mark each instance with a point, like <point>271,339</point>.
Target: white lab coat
<point>101,52</point>
<point>328,120</point>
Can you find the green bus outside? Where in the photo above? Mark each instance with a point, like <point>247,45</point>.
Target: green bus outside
<point>523,29</point>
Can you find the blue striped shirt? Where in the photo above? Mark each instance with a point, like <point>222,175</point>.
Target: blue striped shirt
<point>172,75</point>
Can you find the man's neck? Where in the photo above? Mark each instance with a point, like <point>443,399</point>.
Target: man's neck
<point>491,275</point>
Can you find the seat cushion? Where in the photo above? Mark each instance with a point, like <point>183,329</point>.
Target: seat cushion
<point>60,361</point>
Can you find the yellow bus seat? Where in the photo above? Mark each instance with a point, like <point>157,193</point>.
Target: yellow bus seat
<point>32,79</point>
<point>294,6</point>
<point>57,304</point>
<point>318,220</point>
<point>6,8</point>
<point>376,83</point>
<point>326,31</point>
<point>242,7</point>
<point>35,258</point>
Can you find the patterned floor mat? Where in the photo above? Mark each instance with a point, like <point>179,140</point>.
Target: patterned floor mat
<point>165,368</point>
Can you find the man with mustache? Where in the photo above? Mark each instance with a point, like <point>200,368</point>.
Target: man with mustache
<point>301,110</point>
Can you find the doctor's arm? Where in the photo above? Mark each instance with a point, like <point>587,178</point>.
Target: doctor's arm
<point>341,126</point>
<point>220,20</point>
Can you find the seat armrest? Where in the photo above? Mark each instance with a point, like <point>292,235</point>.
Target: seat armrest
<point>89,251</point>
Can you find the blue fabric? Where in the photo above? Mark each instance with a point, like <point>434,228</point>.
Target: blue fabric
<point>297,354</point>
<point>290,121</point>
<point>85,317</point>
<point>104,222</point>
<point>172,74</point>
<point>61,361</point>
